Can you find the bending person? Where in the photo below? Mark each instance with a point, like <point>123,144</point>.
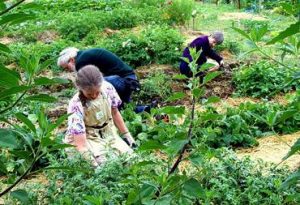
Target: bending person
<point>206,45</point>
<point>95,118</point>
<point>115,71</point>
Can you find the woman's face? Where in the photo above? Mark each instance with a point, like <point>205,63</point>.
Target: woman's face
<point>212,42</point>
<point>91,93</point>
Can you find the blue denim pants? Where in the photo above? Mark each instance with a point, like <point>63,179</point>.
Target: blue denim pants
<point>125,94</point>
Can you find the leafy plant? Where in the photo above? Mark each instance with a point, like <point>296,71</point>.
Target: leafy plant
<point>179,11</point>
<point>261,79</point>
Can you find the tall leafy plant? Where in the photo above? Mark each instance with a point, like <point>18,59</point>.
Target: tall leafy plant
<point>27,142</point>
<point>254,37</point>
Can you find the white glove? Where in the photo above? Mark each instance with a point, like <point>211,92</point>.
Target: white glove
<point>129,139</point>
<point>221,62</point>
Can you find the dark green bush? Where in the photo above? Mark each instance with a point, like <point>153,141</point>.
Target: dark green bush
<point>261,79</point>
<point>156,44</point>
<point>239,127</point>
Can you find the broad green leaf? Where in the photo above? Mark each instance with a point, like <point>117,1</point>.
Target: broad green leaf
<point>15,18</point>
<point>26,121</point>
<point>180,77</point>
<point>48,81</point>
<point>8,78</point>
<point>291,180</point>
<point>210,76</point>
<point>243,33</point>
<point>42,119</point>
<point>58,122</point>
<point>185,59</point>
<point>193,188</point>
<point>94,200</point>
<point>151,145</point>
<point>175,146</point>
<point>296,75</point>
<point>176,96</point>
<point>206,66</point>
<point>147,190</point>
<point>173,110</point>
<point>2,5</point>
<point>198,92</point>
<point>20,195</point>
<point>4,48</point>
<point>294,149</point>
<point>13,90</point>
<point>271,118</point>
<point>291,30</point>
<point>211,117</point>
<point>196,160</point>
<point>41,98</point>
<point>165,200</point>
<point>258,33</point>
<point>8,139</point>
<point>285,115</point>
<point>4,70</point>
<point>212,99</point>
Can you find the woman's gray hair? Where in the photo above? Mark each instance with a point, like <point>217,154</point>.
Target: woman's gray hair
<point>66,54</point>
<point>88,76</point>
<point>218,36</point>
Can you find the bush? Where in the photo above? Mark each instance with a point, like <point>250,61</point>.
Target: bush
<point>156,44</point>
<point>233,181</point>
<point>179,11</point>
<point>156,85</point>
<point>74,26</point>
<point>261,79</point>
<point>164,44</point>
<point>78,5</point>
<point>239,127</point>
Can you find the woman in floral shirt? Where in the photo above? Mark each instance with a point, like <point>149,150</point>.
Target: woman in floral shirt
<point>95,118</point>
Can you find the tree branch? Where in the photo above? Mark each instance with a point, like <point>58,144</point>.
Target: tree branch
<point>11,7</point>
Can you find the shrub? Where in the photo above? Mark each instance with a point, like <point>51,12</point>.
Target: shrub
<point>179,11</point>
<point>164,43</point>
<point>74,26</point>
<point>261,79</point>
<point>158,44</point>
<point>156,85</point>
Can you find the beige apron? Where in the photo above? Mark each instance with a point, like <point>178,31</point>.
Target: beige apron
<point>101,133</point>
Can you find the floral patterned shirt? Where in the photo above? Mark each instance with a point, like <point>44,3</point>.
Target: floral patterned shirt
<point>75,121</point>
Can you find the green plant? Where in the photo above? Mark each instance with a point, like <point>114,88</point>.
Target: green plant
<point>261,79</point>
<point>179,11</point>
<point>156,85</point>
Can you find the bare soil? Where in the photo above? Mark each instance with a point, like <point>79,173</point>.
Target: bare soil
<point>272,149</point>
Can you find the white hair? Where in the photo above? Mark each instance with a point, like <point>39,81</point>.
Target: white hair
<point>66,54</point>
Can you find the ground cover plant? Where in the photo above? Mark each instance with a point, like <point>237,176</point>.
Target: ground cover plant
<point>186,144</point>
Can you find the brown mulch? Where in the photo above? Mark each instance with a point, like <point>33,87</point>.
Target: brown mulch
<point>272,149</point>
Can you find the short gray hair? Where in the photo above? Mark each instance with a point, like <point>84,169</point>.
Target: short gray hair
<point>218,36</point>
<point>66,54</point>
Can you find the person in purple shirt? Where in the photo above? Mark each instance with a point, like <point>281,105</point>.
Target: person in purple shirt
<point>205,44</point>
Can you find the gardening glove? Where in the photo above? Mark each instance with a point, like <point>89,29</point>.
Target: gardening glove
<point>129,139</point>
<point>221,63</point>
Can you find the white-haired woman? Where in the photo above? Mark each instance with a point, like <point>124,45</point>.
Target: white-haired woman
<point>95,118</point>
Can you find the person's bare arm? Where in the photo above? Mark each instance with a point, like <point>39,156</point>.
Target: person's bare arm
<point>80,142</point>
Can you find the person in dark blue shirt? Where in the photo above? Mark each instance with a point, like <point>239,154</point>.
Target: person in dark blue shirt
<point>206,45</point>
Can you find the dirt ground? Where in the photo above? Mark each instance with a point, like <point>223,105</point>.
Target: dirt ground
<point>272,149</point>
